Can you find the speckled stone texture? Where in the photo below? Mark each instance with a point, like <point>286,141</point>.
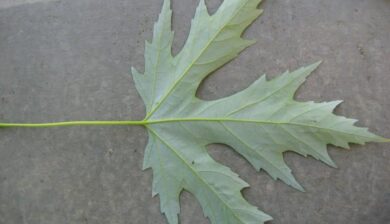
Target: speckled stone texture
<point>69,60</point>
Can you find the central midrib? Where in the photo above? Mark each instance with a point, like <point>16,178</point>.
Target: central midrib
<point>238,120</point>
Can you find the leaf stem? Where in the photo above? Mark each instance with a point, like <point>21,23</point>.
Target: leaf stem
<point>146,122</point>
<point>72,123</point>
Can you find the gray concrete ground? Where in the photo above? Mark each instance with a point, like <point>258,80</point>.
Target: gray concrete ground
<point>69,60</point>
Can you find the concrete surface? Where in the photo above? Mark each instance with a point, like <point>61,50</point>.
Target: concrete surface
<point>69,59</point>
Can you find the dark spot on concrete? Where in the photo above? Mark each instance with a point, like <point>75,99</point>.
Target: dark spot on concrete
<point>339,22</point>
<point>361,50</point>
<point>110,152</point>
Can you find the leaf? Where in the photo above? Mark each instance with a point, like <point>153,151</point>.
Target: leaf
<point>260,122</point>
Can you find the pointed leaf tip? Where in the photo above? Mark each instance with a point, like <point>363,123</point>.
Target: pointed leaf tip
<point>295,184</point>
<point>314,66</point>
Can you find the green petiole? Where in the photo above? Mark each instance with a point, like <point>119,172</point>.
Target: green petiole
<point>72,123</point>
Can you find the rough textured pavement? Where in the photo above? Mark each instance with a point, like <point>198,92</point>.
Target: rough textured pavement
<point>69,60</point>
